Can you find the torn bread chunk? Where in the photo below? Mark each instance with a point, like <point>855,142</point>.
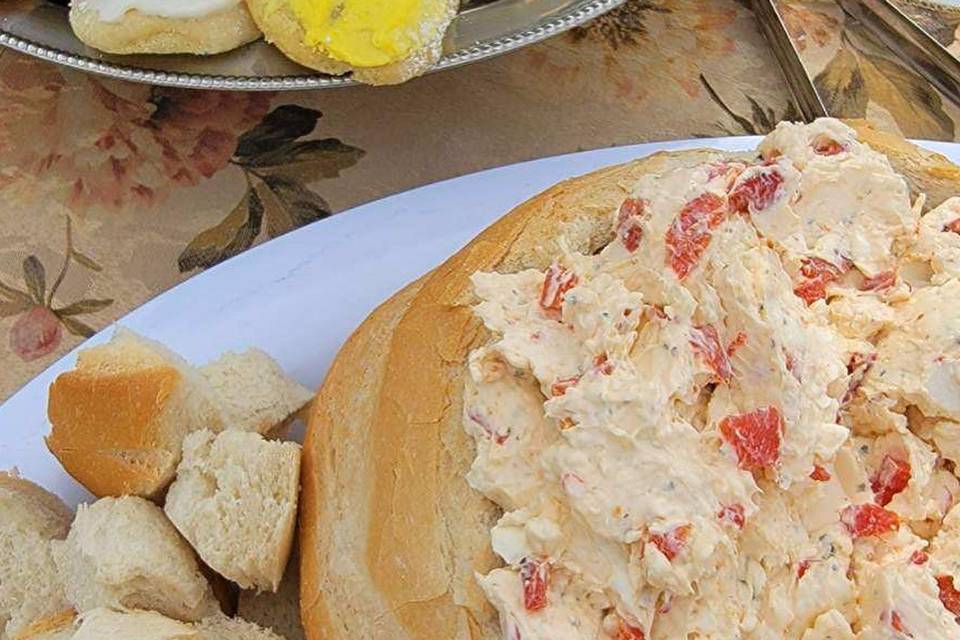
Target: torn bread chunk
<point>30,586</point>
<point>235,501</point>
<point>124,553</point>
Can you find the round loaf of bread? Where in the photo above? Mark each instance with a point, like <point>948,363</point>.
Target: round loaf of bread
<point>392,535</point>
<point>280,27</point>
<point>137,32</point>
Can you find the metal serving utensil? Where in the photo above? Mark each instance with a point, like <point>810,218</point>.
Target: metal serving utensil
<point>912,44</point>
<point>804,92</point>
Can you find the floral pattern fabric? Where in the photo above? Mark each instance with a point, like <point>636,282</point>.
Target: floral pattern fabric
<point>110,192</point>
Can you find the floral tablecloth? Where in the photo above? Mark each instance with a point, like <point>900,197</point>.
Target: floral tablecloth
<point>110,193</point>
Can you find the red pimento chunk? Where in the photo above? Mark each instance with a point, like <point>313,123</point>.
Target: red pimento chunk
<point>826,146</point>
<point>602,365</point>
<point>919,557</point>
<point>891,478</point>
<point>629,227</point>
<point>897,623</point>
<point>733,514</point>
<point>879,282</point>
<point>953,226</point>
<point>689,236</point>
<point>535,576</point>
<point>802,568</point>
<point>626,631</point>
<point>738,341</point>
<point>705,342</point>
<point>757,192</point>
<point>755,437</point>
<point>817,274</point>
<point>556,283</point>
<point>819,474</point>
<point>866,520</point>
<point>561,386</point>
<point>949,595</point>
<point>673,542</point>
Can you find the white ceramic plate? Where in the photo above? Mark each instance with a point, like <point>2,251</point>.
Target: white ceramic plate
<point>298,297</point>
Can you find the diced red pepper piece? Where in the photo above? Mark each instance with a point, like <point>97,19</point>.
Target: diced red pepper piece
<point>866,520</point>
<point>561,386</point>
<point>879,282</point>
<point>738,341</point>
<point>919,557</point>
<point>705,342</point>
<point>689,236</point>
<point>602,365</point>
<point>897,623</point>
<point>826,146</point>
<point>535,576</point>
<point>733,514</point>
<point>949,595</point>
<point>754,436</point>
<point>629,219</point>
<point>484,423</point>
<point>802,568</point>
<point>673,542</point>
<point>819,473</point>
<point>891,478</point>
<point>953,225</point>
<point>556,283</point>
<point>817,274</point>
<point>626,631</point>
<point>757,192</point>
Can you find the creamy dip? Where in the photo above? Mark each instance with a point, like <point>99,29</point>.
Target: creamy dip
<point>114,10</point>
<point>737,420</point>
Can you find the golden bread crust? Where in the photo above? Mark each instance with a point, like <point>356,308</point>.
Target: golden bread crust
<point>107,429</point>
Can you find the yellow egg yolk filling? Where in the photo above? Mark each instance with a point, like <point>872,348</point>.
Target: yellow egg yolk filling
<point>368,33</point>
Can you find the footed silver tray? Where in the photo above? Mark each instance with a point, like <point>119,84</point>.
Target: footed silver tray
<point>483,29</point>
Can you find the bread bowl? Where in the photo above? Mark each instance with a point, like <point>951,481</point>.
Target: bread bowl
<point>395,542</point>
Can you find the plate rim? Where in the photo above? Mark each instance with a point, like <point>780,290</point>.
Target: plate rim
<point>581,12</point>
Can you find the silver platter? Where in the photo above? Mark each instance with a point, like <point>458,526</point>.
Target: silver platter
<point>483,29</point>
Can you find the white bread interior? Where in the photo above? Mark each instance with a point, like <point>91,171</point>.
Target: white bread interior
<point>253,393</point>
<point>278,611</point>
<point>235,501</point>
<point>30,585</point>
<point>224,628</point>
<point>124,553</point>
